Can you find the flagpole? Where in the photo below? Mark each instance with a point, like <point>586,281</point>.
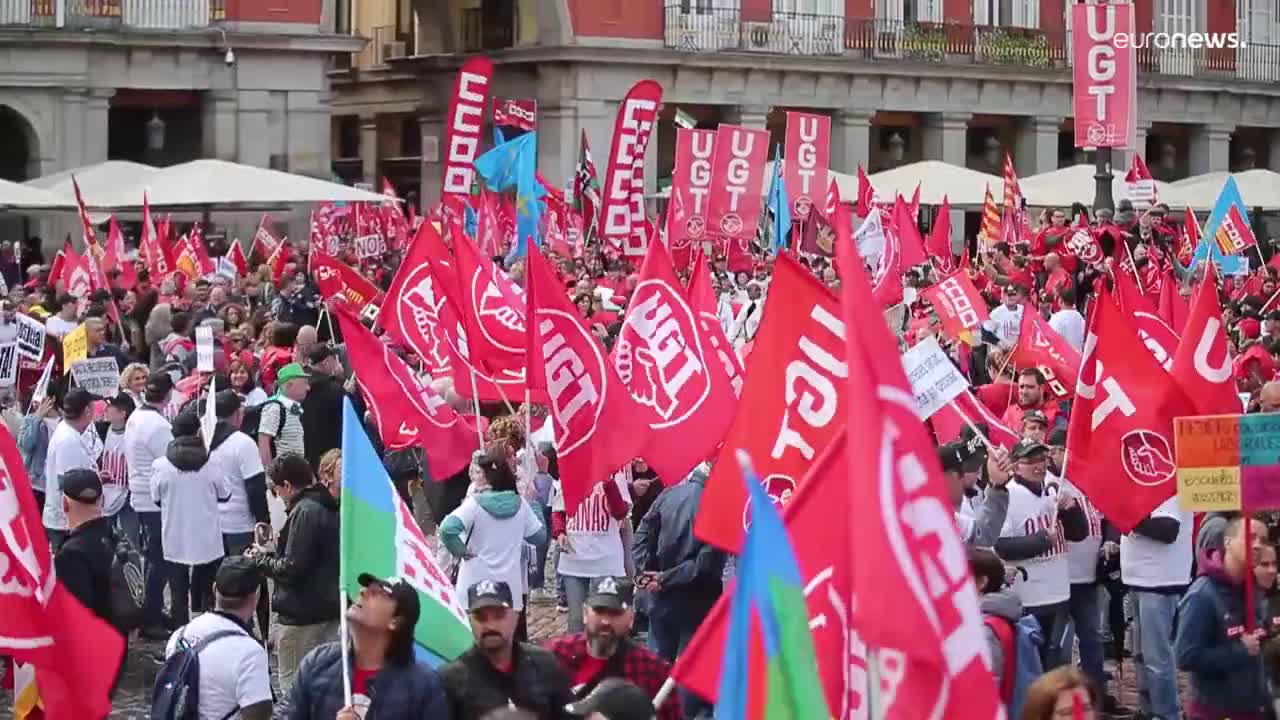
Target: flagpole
<point>345,640</point>
<point>475,403</point>
<point>664,692</point>
<point>972,426</point>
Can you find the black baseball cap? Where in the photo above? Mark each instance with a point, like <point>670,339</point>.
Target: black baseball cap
<point>958,456</point>
<point>611,592</point>
<point>1026,448</point>
<point>1035,416</point>
<point>489,593</point>
<point>122,401</point>
<point>616,699</point>
<point>81,484</point>
<point>159,383</point>
<point>76,403</point>
<point>238,577</point>
<point>407,603</point>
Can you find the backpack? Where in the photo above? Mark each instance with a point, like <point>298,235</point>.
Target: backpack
<point>1020,643</point>
<point>177,691</point>
<point>128,591</point>
<point>253,421</point>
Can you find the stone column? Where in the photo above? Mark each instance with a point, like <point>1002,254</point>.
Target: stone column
<point>431,124</point>
<point>1210,148</point>
<point>558,133</point>
<point>220,138</point>
<point>850,140</point>
<point>1037,148</point>
<point>369,148</point>
<point>253,143</point>
<point>307,138</point>
<point>96,114</point>
<point>72,126</point>
<point>944,137</point>
<point>751,116</point>
<point>1273,162</point>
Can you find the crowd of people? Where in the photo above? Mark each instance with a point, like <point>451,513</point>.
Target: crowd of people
<point>239,532</point>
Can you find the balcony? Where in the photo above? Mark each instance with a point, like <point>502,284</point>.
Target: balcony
<point>112,14</point>
<point>697,28</point>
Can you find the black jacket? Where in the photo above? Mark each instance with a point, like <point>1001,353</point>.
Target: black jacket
<point>322,417</point>
<point>305,566</point>
<point>537,684</point>
<point>83,565</point>
<point>397,692</point>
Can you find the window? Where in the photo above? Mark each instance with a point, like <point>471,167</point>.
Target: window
<point>347,129</point>
<point>342,17</point>
<point>1256,21</point>
<point>1177,16</point>
<point>809,7</point>
<point>700,7</point>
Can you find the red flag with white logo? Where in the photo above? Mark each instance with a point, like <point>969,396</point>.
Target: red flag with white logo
<point>113,256</point>
<point>866,194</point>
<point>417,310</point>
<point>792,402</point>
<point>966,408</point>
<point>808,154</point>
<point>598,428</point>
<point>1160,339</point>
<point>493,308</point>
<point>1040,346</point>
<point>337,279</point>
<point>622,218</point>
<point>1173,308</point>
<point>959,305</point>
<point>668,365</point>
<point>406,411</point>
<point>264,243</point>
<point>76,278</point>
<point>1120,442</point>
<point>702,300</point>
<point>737,191</point>
<point>1202,363</point>
<point>919,613</point>
<point>463,127</point>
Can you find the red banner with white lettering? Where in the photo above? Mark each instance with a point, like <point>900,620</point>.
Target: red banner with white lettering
<point>1202,364</point>
<point>1040,346</point>
<point>462,132</point>
<point>691,187</point>
<point>622,217</point>
<point>1105,75</point>
<point>598,428</point>
<point>336,279</point>
<point>737,190</point>
<point>959,305</point>
<point>519,114</point>
<point>807,165</point>
<point>791,405</point>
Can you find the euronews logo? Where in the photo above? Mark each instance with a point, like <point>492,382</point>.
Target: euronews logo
<point>1180,41</point>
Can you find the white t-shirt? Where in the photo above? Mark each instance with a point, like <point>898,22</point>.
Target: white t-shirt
<point>238,459</point>
<point>189,528</point>
<point>595,535</point>
<point>1006,324</point>
<point>113,468</point>
<point>1082,557</point>
<point>146,437</point>
<point>1147,563</point>
<point>233,669</point>
<point>498,546</point>
<point>58,327</point>
<point>1069,323</point>
<point>1047,574</point>
<point>68,450</point>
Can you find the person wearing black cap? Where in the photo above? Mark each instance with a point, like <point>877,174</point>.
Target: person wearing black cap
<point>604,650</point>
<point>979,522</point>
<point>147,435</point>
<point>614,699</point>
<point>83,562</point>
<point>235,678</point>
<point>70,447</point>
<point>1040,522</point>
<point>498,671</point>
<point>322,408</point>
<point>1035,426</point>
<point>386,680</point>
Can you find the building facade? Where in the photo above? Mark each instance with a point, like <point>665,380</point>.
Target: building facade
<point>961,81</point>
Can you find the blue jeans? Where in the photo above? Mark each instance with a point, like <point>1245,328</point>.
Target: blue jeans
<point>671,625</point>
<point>154,569</point>
<point>1086,618</point>
<point>575,591</point>
<point>538,577</point>
<point>1157,675</point>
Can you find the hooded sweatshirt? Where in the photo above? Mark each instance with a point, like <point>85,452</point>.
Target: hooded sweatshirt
<point>488,532</point>
<point>188,489</point>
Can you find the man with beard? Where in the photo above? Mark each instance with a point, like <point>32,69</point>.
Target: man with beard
<point>1031,396</point>
<point>605,651</point>
<point>498,672</point>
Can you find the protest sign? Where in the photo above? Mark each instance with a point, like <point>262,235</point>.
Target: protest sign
<point>100,376</point>
<point>368,246</point>
<point>31,335</point>
<point>1228,462</point>
<point>934,379</point>
<point>9,364</point>
<point>204,349</point>
<point>75,346</point>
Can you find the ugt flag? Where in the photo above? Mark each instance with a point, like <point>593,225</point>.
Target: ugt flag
<point>380,537</point>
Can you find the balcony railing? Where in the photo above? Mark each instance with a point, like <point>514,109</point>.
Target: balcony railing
<point>113,14</point>
<point>695,27</point>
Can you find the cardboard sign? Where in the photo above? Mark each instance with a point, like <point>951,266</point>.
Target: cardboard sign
<point>1228,462</point>
<point>934,379</point>
<point>100,376</point>
<point>1142,191</point>
<point>75,346</point>
<point>204,349</point>
<point>368,246</point>
<point>9,364</point>
<point>31,334</point>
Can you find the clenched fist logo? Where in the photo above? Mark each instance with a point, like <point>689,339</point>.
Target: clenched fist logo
<point>1147,458</point>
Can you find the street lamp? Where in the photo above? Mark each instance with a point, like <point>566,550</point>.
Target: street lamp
<point>1102,199</point>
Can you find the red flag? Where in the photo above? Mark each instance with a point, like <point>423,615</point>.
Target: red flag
<point>959,305</point>
<point>598,427</point>
<point>908,232</point>
<point>1202,363</point>
<point>113,257</point>
<point>407,412</point>
<point>1234,234</point>
<point>277,261</point>
<point>951,420</point>
<point>622,205</point>
<point>919,608</point>
<point>58,268</point>
<point>791,404</point>
<point>75,653</point>
<point>886,284</point>
<point>667,363</point>
<point>264,243</point>
<point>940,238</point>
<point>808,153</point>
<point>337,279</point>
<point>76,277</point>
<point>914,205</point>
<point>1173,309</point>
<point>866,194</point>
<point>493,309</point>
<point>85,223</point>
<point>1190,237</point>
<point>238,259</point>
<point>1120,439</point>
<point>690,191</point>
<point>201,250</point>
<point>1040,346</point>
<point>702,300</point>
<point>462,132</point>
<point>417,311</point>
<point>1160,339</point>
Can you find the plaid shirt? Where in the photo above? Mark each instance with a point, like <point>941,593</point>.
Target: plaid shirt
<point>635,664</point>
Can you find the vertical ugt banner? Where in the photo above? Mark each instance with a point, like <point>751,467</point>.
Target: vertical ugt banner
<point>622,207</point>
<point>462,132</point>
<point>1105,74</point>
<point>691,182</point>
<point>808,162</point>
<point>737,189</point>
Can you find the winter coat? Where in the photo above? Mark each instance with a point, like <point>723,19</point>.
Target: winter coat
<point>396,692</point>
<point>536,684</point>
<point>305,566</point>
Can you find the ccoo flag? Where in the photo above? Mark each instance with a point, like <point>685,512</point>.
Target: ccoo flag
<point>771,589</point>
<point>379,537</point>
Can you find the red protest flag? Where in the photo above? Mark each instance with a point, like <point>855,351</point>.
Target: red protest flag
<point>416,311</point>
<point>85,223</point>
<point>76,654</point>
<point>667,363</point>
<point>1121,436</point>
<point>1160,339</point>
<point>113,254</point>
<point>407,412</point>
<point>1234,234</point>
<point>1040,346</point>
<point>910,242</point>
<point>702,299</point>
<point>1173,308</point>
<point>866,195</point>
<point>264,243</point>
<point>58,267</point>
<point>956,415</point>
<point>277,262</point>
<point>598,427</point>
<point>76,276</point>
<point>791,402</point>
<point>493,308</point>
<point>238,259</point>
<point>334,278</point>
<point>959,305</point>
<point>919,610</point>
<point>1202,363</point>
<point>940,238</point>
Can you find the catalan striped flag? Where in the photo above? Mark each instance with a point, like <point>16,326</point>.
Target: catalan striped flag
<point>990,228</point>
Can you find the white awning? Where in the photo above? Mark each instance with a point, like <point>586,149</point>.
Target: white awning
<point>95,181</point>
<point>18,196</point>
<point>1064,186</point>
<point>1258,188</point>
<point>961,186</point>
